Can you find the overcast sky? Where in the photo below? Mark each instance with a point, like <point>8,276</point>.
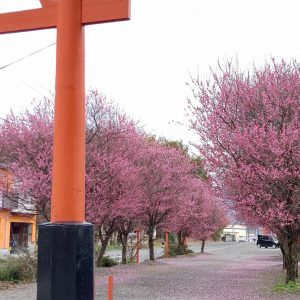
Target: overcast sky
<point>143,63</point>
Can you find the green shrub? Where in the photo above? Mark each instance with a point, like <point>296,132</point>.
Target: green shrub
<point>184,250</point>
<point>189,251</point>
<point>173,250</point>
<point>18,269</point>
<point>108,262</point>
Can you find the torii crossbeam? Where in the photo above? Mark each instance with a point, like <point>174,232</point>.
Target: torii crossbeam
<point>66,245</point>
<point>93,11</point>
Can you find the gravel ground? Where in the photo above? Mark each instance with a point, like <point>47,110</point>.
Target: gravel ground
<point>228,271</point>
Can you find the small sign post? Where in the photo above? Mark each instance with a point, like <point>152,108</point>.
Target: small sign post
<point>110,287</point>
<point>66,244</point>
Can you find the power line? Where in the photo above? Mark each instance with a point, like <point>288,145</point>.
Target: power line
<point>26,83</point>
<point>26,56</point>
<point>30,86</point>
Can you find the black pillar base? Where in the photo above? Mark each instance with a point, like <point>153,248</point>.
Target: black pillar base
<point>65,261</point>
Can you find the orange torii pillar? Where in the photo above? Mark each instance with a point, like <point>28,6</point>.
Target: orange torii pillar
<point>66,244</point>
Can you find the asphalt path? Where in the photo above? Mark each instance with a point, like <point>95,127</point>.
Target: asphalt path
<point>210,246</point>
<point>225,271</point>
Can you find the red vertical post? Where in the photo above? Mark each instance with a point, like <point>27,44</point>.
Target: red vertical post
<point>66,245</point>
<point>167,244</point>
<point>68,188</point>
<point>138,238</point>
<point>110,288</point>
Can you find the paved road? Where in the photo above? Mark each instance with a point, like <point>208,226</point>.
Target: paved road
<point>159,251</point>
<point>227,271</point>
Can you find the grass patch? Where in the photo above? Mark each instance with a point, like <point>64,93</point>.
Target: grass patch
<point>291,287</point>
<point>113,247</point>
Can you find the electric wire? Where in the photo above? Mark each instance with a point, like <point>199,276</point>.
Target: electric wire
<point>22,58</point>
<point>31,86</point>
<point>26,56</point>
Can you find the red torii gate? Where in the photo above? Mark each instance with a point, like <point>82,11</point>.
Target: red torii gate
<point>92,12</point>
<point>66,245</point>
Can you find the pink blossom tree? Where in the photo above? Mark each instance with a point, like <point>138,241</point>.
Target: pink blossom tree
<point>112,193</point>
<point>189,209</point>
<point>199,216</point>
<point>164,173</point>
<point>249,131</point>
<point>213,219</point>
<point>26,149</point>
<point>112,179</point>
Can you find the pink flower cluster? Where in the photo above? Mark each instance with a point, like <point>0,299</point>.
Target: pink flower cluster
<point>249,132</point>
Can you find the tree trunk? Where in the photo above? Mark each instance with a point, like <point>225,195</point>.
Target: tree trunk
<point>181,248</point>
<point>283,253</point>
<point>124,228</point>
<point>202,246</point>
<point>151,243</point>
<point>124,241</point>
<point>104,244</point>
<point>289,249</point>
<point>114,239</point>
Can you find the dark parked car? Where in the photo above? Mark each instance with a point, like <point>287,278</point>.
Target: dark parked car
<point>267,241</point>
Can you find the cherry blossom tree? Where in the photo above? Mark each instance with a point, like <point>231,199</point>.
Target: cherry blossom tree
<point>125,227</point>
<point>131,179</point>
<point>112,181</point>
<point>26,149</point>
<point>212,220</point>
<point>110,194</point>
<point>199,216</point>
<point>182,220</point>
<point>249,131</point>
<point>164,173</point>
